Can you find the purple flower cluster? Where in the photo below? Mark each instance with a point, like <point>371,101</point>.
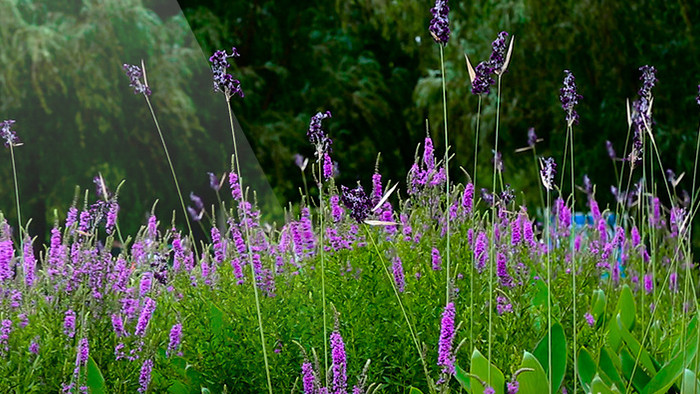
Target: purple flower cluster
<point>7,134</point>
<point>224,82</point>
<point>641,116</point>
<point>134,73</point>
<point>145,317</point>
<point>446,357</point>
<point>484,71</point>
<point>145,375</point>
<point>339,366</point>
<point>357,201</point>
<point>440,24</point>
<point>317,136</point>
<point>175,338</point>
<point>5,330</point>
<point>569,98</point>
<point>547,172</point>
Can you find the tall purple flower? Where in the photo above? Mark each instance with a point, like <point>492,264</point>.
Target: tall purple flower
<point>468,198</point>
<point>5,330</point>
<point>327,166</point>
<point>436,259</point>
<point>339,366</point>
<point>29,262</point>
<point>446,358</point>
<point>498,52</point>
<point>145,375</point>
<point>317,136</point>
<point>308,378</point>
<point>135,73</point>
<point>118,325</point>
<point>214,181</point>
<point>219,245</point>
<point>357,201</point>
<point>697,98</point>
<point>440,24</point>
<point>175,338</point>
<point>569,98</point>
<point>69,323</point>
<point>641,116</point>
<point>502,271</point>
<point>547,172</point>
<point>145,317</point>
<point>235,186</point>
<point>83,352</point>
<point>7,134</point>
<point>399,278</point>
<point>531,137</point>
<point>224,82</point>
<point>483,80</point>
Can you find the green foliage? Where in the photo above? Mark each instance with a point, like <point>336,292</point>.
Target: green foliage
<point>559,355</point>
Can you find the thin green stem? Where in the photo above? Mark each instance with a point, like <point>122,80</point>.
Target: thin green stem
<point>19,214</point>
<point>549,291</point>
<point>252,269</point>
<point>172,170</point>
<point>323,263</point>
<point>574,268</point>
<point>447,179</point>
<point>476,139</point>
<point>471,267</point>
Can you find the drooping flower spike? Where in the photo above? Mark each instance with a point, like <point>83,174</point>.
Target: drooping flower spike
<point>135,73</point>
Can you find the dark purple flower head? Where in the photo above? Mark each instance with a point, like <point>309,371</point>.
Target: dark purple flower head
<point>357,201</point>
<point>482,81</point>
<point>648,79</point>
<point>498,54</point>
<point>8,135</point>
<point>531,137</point>
<point>611,150</point>
<point>697,98</point>
<point>547,172</point>
<point>641,116</point>
<point>446,358</point>
<point>317,136</point>
<point>214,181</point>
<point>135,73</point>
<point>440,24</point>
<point>224,82</point>
<point>569,98</point>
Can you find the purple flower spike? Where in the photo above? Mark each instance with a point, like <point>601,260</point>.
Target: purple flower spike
<point>317,136</point>
<point>308,378</point>
<point>7,134</point>
<point>214,181</point>
<point>145,376</point>
<point>223,82</point>
<point>69,323</point>
<point>175,338</point>
<point>440,24</point>
<point>357,201</point>
<point>135,73</point>
<point>547,172</point>
<point>483,81</point>
<point>339,366</point>
<point>446,358</point>
<point>498,53</point>
<point>531,137</point>
<point>697,98</point>
<point>569,98</point>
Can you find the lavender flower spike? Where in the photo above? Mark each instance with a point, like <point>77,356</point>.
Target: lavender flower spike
<point>569,98</point>
<point>440,24</point>
<point>339,366</point>
<point>224,82</point>
<point>697,98</point>
<point>357,201</point>
<point>135,73</point>
<point>317,136</point>
<point>547,172</point>
<point>446,358</point>
<point>7,134</point>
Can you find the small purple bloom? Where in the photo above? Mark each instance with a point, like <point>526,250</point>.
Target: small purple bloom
<point>440,24</point>
<point>498,53</point>
<point>69,323</point>
<point>7,134</point>
<point>437,260</point>
<point>648,283</point>
<point>589,319</point>
<point>145,375</point>
<point>531,137</point>
<point>118,325</point>
<point>327,166</point>
<point>611,150</point>
<point>317,136</point>
<point>175,338</point>
<point>5,330</point>
<point>483,81</point>
<point>503,305</point>
<point>489,390</point>
<point>446,358</point>
<point>569,98</point>
<point>399,278</point>
<point>134,73</point>
<point>547,172</point>
<point>224,82</point>
<point>235,186</point>
<point>145,316</point>
<point>339,366</point>
<point>308,378</point>
<point>34,346</point>
<point>214,181</point>
<point>29,262</point>
<point>357,201</point>
<point>513,387</point>
<point>83,352</point>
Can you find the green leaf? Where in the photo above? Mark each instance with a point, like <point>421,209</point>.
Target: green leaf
<point>532,381</point>
<point>178,388</point>
<point>95,380</point>
<point>614,336</point>
<point>625,307</point>
<point>414,390</point>
<point>640,379</point>
<point>480,367</point>
<point>598,303</point>
<point>586,368</point>
<point>599,387</point>
<point>559,357</point>
<point>670,372</point>
<point>690,383</point>
<point>635,348</point>
<point>216,319</point>
<point>609,365</point>
<point>463,378</point>
<point>540,297</point>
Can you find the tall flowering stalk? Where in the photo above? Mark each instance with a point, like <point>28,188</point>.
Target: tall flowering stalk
<point>10,138</point>
<point>569,98</point>
<point>446,356</point>
<point>440,30</point>
<point>135,75</point>
<point>547,176</point>
<point>230,86</point>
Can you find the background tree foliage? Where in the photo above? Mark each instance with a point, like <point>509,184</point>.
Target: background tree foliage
<point>372,63</point>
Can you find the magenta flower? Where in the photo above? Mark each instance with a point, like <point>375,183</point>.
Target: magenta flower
<point>357,201</point>
<point>175,338</point>
<point>69,323</point>
<point>339,366</point>
<point>145,317</point>
<point>145,375</point>
<point>437,260</point>
<point>29,262</point>
<point>399,277</point>
<point>589,319</point>
<point>308,378</point>
<point>83,352</point>
<point>446,358</point>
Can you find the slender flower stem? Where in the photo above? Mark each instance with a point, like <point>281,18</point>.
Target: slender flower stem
<point>476,140</point>
<point>19,214</point>
<point>471,268</point>
<point>172,170</point>
<point>403,310</point>
<point>323,262</point>
<point>252,269</point>
<point>447,178</point>
<point>549,290</point>
<point>492,246</point>
<point>572,235</point>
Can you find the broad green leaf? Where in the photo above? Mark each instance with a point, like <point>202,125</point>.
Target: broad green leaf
<point>216,319</point>
<point>665,377</point>
<point>540,297</point>
<point>480,367</point>
<point>532,381</point>
<point>636,348</point>
<point>95,380</point>
<point>414,390</point>
<point>640,378</point>
<point>462,378</point>
<point>625,307</point>
<point>614,336</point>
<point>586,368</point>
<point>599,387</point>
<point>178,388</point>
<point>609,365</point>
<point>598,303</point>
<point>559,357</point>
<point>690,383</point>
